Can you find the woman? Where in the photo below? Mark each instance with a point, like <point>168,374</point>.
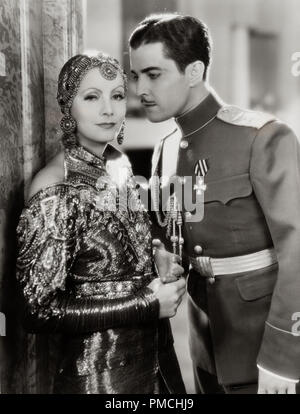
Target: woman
<point>85,256</point>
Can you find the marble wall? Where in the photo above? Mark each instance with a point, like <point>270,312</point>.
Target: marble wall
<point>62,38</point>
<point>11,101</point>
<point>11,177</point>
<point>33,117</point>
<point>36,37</point>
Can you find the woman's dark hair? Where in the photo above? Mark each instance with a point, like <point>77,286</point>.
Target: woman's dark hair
<point>185,38</point>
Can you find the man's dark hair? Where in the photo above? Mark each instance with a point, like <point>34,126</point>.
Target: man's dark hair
<point>185,38</point>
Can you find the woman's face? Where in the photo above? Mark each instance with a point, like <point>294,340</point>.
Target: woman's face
<point>99,108</point>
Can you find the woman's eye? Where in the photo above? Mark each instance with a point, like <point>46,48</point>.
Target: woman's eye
<point>90,97</point>
<point>134,78</point>
<point>119,96</point>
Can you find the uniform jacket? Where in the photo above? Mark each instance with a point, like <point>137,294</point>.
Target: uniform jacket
<point>251,202</point>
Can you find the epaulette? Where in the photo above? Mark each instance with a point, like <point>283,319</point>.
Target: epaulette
<point>244,117</point>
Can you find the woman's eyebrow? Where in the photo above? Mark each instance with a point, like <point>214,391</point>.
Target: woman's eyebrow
<point>120,86</point>
<point>91,88</point>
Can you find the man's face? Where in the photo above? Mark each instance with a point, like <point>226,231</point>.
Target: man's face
<point>164,91</point>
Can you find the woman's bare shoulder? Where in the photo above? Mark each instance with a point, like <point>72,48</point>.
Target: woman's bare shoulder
<point>52,173</point>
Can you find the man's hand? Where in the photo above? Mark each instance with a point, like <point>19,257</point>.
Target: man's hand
<point>269,384</point>
<point>167,263</point>
<point>169,296</point>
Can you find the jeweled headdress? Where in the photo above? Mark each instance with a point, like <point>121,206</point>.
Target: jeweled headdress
<point>74,70</point>
<point>69,81</point>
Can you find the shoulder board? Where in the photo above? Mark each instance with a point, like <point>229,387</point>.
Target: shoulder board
<point>243,117</point>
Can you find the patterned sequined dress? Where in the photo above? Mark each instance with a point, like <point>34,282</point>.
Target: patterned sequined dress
<point>84,264</point>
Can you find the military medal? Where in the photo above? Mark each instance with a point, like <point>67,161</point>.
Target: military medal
<point>201,168</point>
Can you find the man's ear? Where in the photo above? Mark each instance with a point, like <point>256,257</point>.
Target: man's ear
<point>195,72</point>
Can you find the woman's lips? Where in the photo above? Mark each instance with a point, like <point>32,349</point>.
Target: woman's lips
<point>106,125</point>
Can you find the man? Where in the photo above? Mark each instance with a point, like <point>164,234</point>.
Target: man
<point>244,283</point>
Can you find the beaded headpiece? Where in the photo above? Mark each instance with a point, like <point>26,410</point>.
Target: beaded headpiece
<point>74,70</point>
<point>69,81</point>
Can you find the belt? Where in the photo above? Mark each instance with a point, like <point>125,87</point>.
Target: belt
<point>211,267</point>
<point>110,289</point>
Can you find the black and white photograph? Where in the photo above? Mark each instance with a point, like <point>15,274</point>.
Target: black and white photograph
<point>149,199</point>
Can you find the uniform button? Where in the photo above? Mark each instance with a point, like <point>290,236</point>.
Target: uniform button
<point>198,249</point>
<point>184,144</point>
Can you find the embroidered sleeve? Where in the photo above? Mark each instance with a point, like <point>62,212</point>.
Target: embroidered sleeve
<point>47,244</point>
<point>49,240</point>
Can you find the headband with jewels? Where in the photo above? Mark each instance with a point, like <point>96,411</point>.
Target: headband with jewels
<point>74,70</point>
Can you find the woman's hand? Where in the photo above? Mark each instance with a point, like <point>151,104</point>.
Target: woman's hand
<point>168,267</point>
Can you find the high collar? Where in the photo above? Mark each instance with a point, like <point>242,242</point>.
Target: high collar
<point>197,117</point>
<point>83,154</point>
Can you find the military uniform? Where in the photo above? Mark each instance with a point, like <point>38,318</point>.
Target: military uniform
<point>251,211</point>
